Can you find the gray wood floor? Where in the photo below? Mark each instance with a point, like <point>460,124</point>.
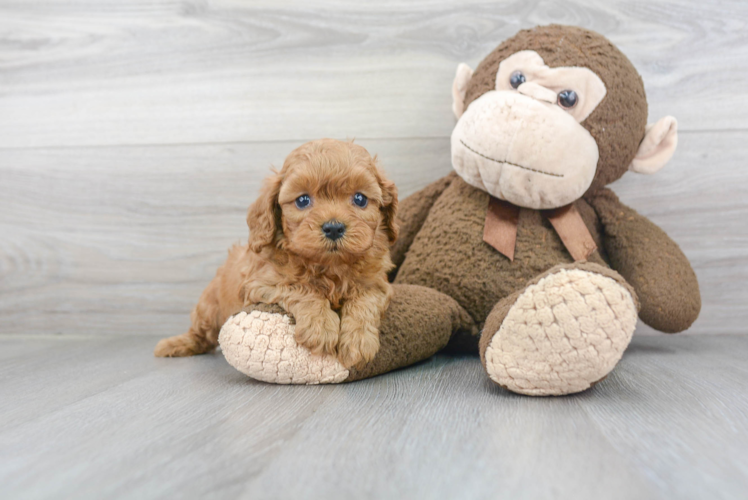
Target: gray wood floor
<point>133,135</point>
<point>100,418</point>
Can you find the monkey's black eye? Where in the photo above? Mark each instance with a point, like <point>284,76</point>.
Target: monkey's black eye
<point>303,201</point>
<point>517,79</point>
<point>360,200</point>
<point>567,99</point>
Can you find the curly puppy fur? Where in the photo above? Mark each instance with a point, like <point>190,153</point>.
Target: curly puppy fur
<point>337,290</point>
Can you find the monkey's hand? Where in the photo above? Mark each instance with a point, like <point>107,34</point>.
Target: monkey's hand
<point>651,262</point>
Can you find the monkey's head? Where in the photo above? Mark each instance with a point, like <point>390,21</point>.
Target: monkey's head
<point>553,113</point>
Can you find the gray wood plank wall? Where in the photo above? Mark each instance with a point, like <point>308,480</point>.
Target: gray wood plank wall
<point>133,135</point>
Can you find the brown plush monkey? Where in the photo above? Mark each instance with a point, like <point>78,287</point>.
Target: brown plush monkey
<point>522,254</point>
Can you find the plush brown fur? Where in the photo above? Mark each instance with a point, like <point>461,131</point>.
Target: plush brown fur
<point>336,290</point>
<point>448,254</point>
<point>651,262</point>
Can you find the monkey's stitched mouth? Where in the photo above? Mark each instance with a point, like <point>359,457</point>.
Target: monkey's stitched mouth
<point>508,162</point>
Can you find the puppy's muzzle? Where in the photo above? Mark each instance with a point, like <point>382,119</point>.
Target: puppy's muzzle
<point>333,230</point>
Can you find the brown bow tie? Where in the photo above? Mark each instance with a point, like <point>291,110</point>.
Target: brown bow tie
<point>500,230</point>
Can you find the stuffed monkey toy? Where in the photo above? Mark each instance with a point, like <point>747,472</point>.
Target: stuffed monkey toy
<point>521,254</point>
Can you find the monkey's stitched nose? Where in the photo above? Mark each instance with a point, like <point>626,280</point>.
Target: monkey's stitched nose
<point>531,89</point>
<point>333,230</point>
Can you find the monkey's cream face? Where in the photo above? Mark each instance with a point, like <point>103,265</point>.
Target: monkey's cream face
<point>523,142</point>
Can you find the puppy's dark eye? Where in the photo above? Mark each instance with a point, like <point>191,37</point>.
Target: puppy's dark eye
<point>303,201</point>
<point>517,79</point>
<point>567,99</point>
<point>360,200</point>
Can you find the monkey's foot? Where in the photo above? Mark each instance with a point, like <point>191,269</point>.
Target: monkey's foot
<point>562,334</point>
<point>262,345</point>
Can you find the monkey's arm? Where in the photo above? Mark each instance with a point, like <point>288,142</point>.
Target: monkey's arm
<point>651,262</point>
<point>411,214</point>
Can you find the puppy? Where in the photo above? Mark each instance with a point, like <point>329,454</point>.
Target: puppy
<point>319,243</point>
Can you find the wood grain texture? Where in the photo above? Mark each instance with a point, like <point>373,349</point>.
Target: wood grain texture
<point>133,136</point>
<point>83,72</point>
<point>100,418</point>
<point>119,240</point>
<point>113,240</point>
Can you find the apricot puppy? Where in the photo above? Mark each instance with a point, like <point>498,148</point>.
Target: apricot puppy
<point>319,241</point>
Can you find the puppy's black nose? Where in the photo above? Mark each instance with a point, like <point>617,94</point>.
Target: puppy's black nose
<point>333,229</point>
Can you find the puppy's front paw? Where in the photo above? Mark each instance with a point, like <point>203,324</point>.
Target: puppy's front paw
<point>320,333</point>
<point>358,344</point>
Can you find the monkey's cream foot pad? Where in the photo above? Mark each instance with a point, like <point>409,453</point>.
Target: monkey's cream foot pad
<point>562,334</point>
<point>262,346</point>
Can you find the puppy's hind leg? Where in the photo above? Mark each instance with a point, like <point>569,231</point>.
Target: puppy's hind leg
<point>202,336</point>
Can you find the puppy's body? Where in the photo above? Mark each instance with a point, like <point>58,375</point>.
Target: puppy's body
<point>335,285</point>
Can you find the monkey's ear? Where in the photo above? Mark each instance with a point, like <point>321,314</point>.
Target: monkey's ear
<point>657,147</point>
<point>459,87</point>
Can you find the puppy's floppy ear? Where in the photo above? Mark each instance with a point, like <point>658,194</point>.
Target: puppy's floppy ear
<point>389,206</point>
<point>263,216</point>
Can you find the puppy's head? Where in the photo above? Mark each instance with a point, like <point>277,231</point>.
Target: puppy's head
<point>329,202</point>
